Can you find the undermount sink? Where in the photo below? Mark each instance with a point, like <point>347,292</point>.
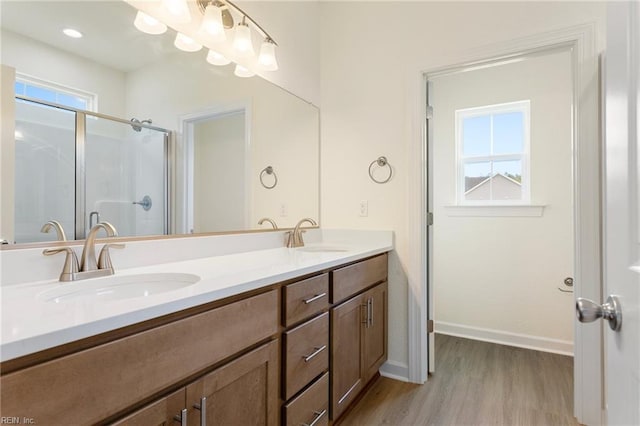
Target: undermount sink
<point>322,249</point>
<point>118,287</point>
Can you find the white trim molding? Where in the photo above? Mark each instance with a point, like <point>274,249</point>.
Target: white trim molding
<point>537,343</point>
<point>395,370</point>
<point>581,41</point>
<point>495,211</point>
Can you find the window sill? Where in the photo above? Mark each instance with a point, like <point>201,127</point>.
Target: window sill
<point>495,211</point>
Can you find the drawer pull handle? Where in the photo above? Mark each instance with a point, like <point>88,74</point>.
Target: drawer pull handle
<point>314,298</point>
<point>318,416</point>
<point>316,352</point>
<point>203,410</point>
<point>182,417</point>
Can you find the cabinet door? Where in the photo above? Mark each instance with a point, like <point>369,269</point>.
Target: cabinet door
<point>243,392</point>
<point>374,351</point>
<point>162,412</point>
<point>346,360</point>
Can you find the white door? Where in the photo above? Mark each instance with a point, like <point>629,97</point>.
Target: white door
<point>622,210</point>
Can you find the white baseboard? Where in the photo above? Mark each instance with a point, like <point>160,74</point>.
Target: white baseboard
<point>395,370</point>
<point>544,344</point>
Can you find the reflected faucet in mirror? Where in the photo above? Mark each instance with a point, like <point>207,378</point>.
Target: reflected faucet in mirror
<point>271,221</point>
<point>294,238</point>
<point>54,224</point>
<point>88,267</point>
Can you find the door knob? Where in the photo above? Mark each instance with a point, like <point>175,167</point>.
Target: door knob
<point>589,311</point>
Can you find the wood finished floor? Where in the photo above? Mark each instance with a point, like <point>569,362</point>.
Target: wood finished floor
<point>475,383</point>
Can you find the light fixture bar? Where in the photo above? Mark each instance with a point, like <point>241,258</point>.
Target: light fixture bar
<point>202,5</point>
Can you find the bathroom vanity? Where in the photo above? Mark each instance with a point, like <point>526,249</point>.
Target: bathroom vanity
<point>290,342</point>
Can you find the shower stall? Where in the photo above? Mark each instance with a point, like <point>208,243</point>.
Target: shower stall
<point>79,167</point>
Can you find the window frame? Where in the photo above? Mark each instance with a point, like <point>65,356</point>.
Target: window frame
<point>524,107</point>
<point>90,98</point>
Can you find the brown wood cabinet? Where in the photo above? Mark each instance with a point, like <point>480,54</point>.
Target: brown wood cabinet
<point>294,353</point>
<point>243,392</point>
<point>359,345</point>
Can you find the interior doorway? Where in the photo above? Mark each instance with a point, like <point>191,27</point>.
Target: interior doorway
<point>218,194</point>
<point>501,189</point>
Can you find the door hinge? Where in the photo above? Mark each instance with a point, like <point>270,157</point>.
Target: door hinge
<point>429,326</point>
<point>429,218</point>
<point>429,112</point>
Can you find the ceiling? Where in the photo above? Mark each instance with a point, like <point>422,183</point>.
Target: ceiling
<point>109,35</point>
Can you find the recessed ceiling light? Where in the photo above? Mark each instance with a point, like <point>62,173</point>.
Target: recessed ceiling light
<point>72,33</point>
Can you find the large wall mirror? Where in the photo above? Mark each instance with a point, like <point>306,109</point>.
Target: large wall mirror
<point>206,151</point>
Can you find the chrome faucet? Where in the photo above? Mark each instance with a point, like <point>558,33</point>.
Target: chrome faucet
<point>54,224</point>
<point>271,221</point>
<point>294,238</point>
<point>88,267</point>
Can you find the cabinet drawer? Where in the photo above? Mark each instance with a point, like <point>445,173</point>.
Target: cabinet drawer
<point>354,278</point>
<point>96,383</point>
<point>305,298</point>
<point>306,353</point>
<point>310,406</point>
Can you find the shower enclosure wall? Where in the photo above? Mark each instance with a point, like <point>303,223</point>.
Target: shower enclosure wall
<point>80,167</point>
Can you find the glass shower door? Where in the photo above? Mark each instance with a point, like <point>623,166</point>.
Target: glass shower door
<point>126,177</point>
<point>45,143</point>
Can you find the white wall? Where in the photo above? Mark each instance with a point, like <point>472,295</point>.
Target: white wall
<point>283,130</point>
<point>295,27</point>
<point>371,56</point>
<point>219,176</point>
<point>43,61</point>
<point>7,152</point>
<point>501,274</point>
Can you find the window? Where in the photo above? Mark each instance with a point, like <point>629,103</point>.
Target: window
<point>55,93</point>
<point>493,154</point>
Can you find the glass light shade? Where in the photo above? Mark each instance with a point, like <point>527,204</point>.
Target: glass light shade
<point>185,43</point>
<point>242,41</point>
<point>148,24</point>
<point>212,26</point>
<point>179,10</point>
<point>267,57</point>
<point>215,58</point>
<point>243,72</point>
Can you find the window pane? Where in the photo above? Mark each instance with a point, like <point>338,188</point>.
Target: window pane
<point>19,88</point>
<point>508,133</point>
<point>476,181</point>
<point>40,93</point>
<point>507,180</point>
<point>72,101</point>
<point>476,136</point>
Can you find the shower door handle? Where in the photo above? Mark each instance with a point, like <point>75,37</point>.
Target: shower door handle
<point>97,215</point>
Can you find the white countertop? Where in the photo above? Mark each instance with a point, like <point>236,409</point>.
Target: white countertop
<point>30,324</point>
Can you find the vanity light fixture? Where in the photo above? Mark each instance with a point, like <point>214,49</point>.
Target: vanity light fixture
<point>70,32</point>
<point>243,72</point>
<point>212,26</point>
<point>186,43</point>
<point>215,58</point>
<point>267,57</point>
<point>179,10</point>
<point>242,43</point>
<point>148,24</point>
<point>214,31</point>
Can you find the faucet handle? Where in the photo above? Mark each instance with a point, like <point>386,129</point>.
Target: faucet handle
<point>104,259</point>
<point>70,268</point>
<point>288,239</point>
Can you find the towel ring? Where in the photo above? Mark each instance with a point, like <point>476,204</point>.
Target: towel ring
<point>268,170</point>
<point>381,161</point>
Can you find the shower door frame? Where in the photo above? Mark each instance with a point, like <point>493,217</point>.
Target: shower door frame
<point>80,219</point>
